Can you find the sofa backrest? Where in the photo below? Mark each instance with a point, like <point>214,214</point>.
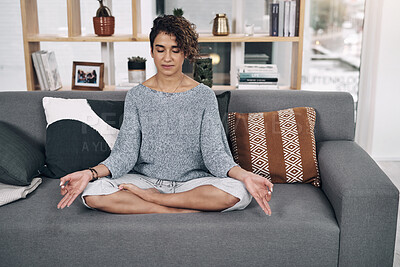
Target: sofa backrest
<point>335,110</point>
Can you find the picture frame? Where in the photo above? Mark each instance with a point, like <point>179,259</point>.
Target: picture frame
<point>87,76</point>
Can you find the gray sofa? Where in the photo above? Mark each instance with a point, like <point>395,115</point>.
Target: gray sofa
<point>349,221</point>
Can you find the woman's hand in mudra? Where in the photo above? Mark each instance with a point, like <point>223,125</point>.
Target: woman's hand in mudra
<point>261,189</point>
<point>77,182</point>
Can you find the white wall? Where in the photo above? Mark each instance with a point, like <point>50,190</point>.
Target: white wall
<point>386,128</point>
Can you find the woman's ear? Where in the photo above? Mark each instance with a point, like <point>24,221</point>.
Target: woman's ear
<point>151,52</point>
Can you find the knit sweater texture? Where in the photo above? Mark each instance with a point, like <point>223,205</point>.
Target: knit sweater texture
<point>171,136</point>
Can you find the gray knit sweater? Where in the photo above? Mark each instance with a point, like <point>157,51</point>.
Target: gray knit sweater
<point>171,136</point>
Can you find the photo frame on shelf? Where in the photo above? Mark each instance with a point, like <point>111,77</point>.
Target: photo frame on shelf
<point>87,75</point>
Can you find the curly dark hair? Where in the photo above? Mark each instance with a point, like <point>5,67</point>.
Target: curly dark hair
<point>183,30</point>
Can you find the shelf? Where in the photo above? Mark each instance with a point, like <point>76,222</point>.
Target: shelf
<point>81,38</point>
<point>106,88</point>
<point>112,88</point>
<point>236,37</point>
<point>232,38</point>
<point>32,37</point>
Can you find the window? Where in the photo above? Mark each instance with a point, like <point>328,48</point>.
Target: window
<point>332,45</point>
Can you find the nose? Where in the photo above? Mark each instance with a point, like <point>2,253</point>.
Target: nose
<point>167,56</point>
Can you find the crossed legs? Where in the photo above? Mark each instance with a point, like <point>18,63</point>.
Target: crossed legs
<point>133,200</point>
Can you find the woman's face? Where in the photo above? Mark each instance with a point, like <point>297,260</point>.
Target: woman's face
<point>166,54</point>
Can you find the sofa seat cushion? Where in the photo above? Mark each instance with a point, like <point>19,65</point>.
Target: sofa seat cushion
<point>302,231</point>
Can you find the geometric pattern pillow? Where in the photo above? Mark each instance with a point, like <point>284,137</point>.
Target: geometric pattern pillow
<point>80,133</point>
<point>278,145</point>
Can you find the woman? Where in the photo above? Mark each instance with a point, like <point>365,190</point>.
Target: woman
<point>171,154</point>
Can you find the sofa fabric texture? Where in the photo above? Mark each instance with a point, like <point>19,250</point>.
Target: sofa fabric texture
<point>297,234</point>
<point>279,145</point>
<point>20,161</point>
<point>349,221</point>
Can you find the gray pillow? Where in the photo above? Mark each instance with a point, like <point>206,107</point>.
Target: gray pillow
<point>223,104</point>
<point>20,161</point>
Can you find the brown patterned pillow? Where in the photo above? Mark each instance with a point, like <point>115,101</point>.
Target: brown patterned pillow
<point>279,145</point>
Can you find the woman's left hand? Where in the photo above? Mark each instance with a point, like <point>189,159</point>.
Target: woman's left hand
<point>259,187</point>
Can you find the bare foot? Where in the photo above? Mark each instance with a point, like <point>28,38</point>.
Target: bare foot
<point>149,195</point>
<point>142,193</point>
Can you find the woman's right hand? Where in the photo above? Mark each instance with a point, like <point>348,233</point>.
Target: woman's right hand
<point>77,182</point>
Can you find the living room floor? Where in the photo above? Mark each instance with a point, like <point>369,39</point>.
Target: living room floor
<point>392,169</point>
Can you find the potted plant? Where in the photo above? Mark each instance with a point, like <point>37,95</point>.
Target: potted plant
<point>137,69</point>
<point>202,70</point>
<point>178,12</point>
<point>104,22</point>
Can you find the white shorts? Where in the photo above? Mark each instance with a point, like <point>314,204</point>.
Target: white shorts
<point>106,186</point>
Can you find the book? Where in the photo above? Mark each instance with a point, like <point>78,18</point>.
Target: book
<point>257,87</point>
<point>286,22</point>
<point>274,24</point>
<point>258,80</point>
<point>46,67</point>
<point>258,83</point>
<point>54,70</point>
<point>50,70</point>
<point>281,17</point>
<point>42,71</point>
<point>258,68</point>
<point>296,33</point>
<point>37,71</point>
<point>292,18</point>
<point>260,75</point>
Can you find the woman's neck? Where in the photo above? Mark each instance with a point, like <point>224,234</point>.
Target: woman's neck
<point>169,84</point>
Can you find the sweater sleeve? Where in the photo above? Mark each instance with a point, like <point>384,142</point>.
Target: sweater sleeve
<point>214,146</point>
<point>125,152</point>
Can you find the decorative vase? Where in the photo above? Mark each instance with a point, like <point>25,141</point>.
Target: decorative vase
<point>202,71</point>
<point>104,26</point>
<point>220,25</point>
<point>136,72</point>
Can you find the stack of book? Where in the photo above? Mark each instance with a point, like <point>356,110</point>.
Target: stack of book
<point>46,69</point>
<point>284,15</point>
<point>258,76</point>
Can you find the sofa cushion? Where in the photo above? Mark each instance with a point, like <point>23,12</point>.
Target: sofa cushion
<point>279,145</point>
<point>80,133</point>
<point>20,161</point>
<point>302,231</point>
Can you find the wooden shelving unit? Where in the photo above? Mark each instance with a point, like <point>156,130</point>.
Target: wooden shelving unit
<point>32,37</point>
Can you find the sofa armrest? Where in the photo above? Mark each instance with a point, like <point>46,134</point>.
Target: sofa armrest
<point>365,202</point>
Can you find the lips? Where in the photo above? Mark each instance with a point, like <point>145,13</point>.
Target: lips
<point>167,66</point>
